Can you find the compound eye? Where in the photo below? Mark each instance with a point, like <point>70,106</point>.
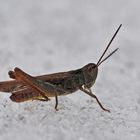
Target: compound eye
<point>90,68</point>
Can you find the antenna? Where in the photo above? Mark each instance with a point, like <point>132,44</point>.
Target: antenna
<point>99,61</point>
<point>107,56</point>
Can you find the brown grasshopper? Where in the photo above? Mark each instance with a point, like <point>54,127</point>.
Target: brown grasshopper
<point>25,87</point>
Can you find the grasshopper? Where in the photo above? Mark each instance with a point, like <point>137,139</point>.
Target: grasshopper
<point>25,87</point>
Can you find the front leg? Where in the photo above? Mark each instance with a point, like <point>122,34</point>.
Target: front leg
<point>89,92</point>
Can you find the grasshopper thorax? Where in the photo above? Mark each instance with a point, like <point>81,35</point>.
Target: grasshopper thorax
<point>90,72</point>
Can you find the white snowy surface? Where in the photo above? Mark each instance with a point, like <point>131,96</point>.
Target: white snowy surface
<point>47,36</point>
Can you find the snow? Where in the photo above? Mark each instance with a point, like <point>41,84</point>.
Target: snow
<point>47,36</point>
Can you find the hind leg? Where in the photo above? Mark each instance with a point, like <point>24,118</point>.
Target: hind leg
<point>19,75</point>
<point>11,74</point>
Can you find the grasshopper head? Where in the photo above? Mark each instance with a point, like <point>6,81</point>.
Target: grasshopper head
<point>90,72</point>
